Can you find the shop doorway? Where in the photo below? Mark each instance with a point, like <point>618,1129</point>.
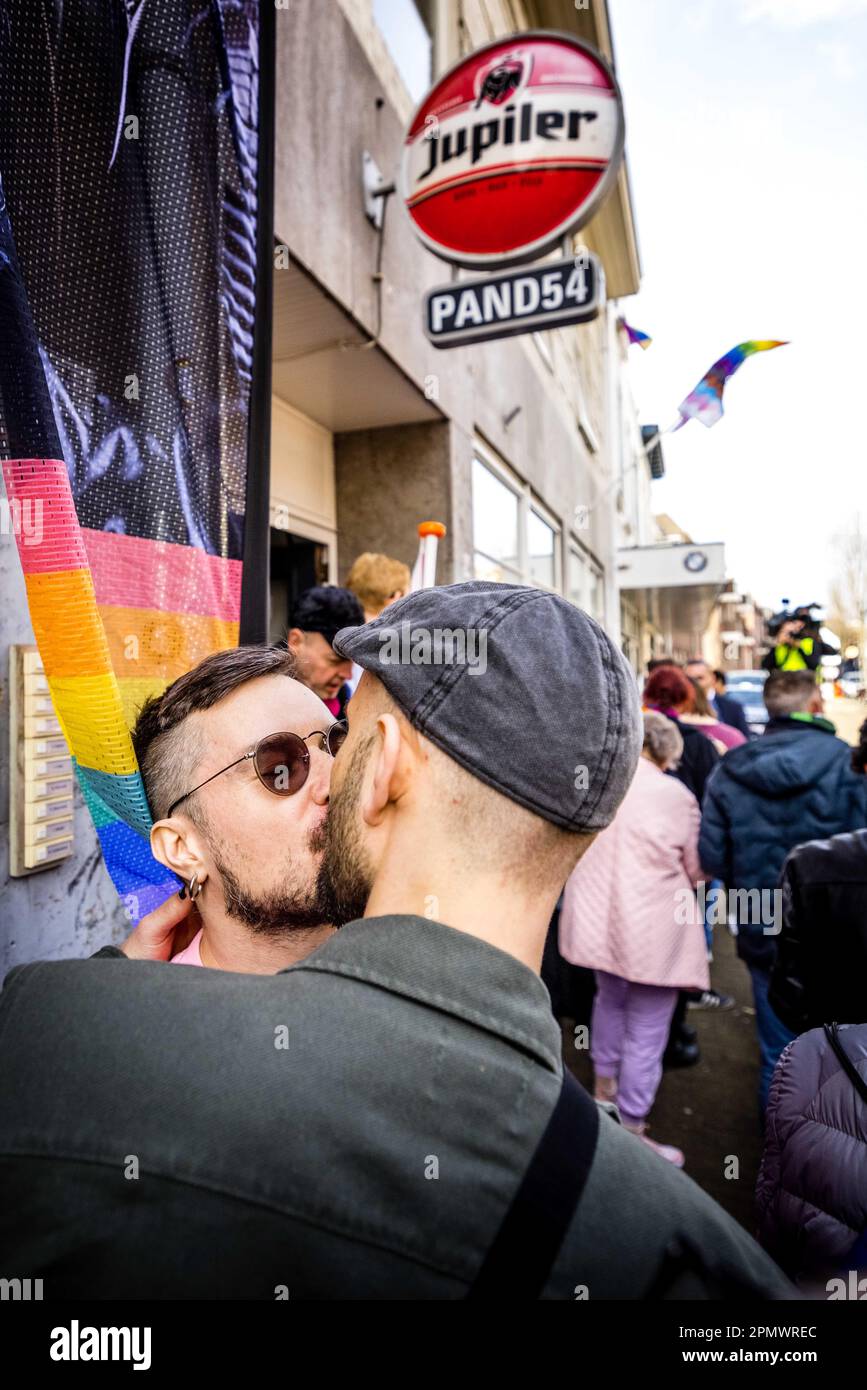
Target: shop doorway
<point>296,564</point>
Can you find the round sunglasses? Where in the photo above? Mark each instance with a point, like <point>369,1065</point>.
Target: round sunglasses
<point>280,761</point>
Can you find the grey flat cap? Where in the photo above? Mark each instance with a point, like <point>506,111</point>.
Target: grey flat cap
<point>520,687</point>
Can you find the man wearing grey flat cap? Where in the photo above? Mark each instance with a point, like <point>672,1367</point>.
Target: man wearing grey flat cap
<point>390,1117</point>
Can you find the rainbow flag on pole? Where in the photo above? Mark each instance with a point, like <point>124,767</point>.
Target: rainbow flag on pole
<point>705,402</point>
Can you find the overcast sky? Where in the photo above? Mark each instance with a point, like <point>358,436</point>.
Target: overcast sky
<point>746,136</point>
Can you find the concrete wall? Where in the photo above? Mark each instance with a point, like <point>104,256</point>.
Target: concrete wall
<point>70,910</point>
<point>387,472</point>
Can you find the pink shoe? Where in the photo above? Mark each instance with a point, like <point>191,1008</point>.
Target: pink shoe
<point>667,1151</point>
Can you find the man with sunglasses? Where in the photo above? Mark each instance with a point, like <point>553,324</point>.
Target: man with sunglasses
<point>389,1117</point>
<point>236,758</point>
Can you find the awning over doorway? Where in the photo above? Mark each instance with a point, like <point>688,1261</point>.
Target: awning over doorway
<point>674,587</point>
<point>323,367</point>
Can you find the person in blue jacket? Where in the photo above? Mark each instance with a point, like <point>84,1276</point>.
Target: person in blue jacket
<point>793,784</point>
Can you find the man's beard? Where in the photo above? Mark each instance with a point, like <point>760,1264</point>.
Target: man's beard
<point>345,874</point>
<point>295,906</point>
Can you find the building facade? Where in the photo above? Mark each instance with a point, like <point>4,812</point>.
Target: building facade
<point>672,586</point>
<point>736,638</point>
<point>508,443</point>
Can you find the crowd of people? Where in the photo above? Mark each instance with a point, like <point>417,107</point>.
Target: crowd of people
<point>364,1094</point>
<point>773,829</point>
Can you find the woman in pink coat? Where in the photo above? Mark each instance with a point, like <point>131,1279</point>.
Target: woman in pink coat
<point>630,914</point>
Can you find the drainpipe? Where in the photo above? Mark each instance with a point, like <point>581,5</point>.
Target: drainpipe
<point>613,460</point>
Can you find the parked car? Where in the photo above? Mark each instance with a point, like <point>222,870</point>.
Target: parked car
<point>746,687</point>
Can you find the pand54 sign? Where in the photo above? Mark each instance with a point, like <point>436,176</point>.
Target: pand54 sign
<point>549,295</point>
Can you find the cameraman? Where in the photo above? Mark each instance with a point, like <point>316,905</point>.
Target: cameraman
<point>797,645</point>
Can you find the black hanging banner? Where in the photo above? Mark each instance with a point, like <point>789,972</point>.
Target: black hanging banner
<point>136,213</point>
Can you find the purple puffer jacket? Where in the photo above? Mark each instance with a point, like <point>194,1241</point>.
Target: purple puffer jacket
<point>812,1187</point>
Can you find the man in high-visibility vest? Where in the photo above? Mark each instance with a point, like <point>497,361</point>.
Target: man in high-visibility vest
<point>793,652</point>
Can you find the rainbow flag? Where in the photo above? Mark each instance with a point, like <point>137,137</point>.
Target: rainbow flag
<point>116,618</point>
<point>705,402</point>
<point>635,335</point>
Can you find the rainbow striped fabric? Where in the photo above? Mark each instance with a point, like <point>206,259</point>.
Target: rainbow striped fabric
<point>705,402</point>
<point>116,618</point>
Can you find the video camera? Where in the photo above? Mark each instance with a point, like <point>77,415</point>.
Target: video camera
<point>805,615</point>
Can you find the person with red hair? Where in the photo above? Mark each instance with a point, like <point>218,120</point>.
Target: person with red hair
<point>667,685</point>
<point>668,691</point>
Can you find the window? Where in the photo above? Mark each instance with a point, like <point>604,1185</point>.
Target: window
<point>586,587</point>
<point>407,27</point>
<point>495,526</point>
<point>578,587</point>
<point>630,634</point>
<point>598,600</point>
<point>541,551</point>
<point>514,540</point>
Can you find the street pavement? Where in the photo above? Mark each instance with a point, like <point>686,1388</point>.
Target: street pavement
<point>848,715</point>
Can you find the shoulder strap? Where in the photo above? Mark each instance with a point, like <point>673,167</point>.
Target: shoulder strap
<point>833,1036</point>
<point>524,1249</point>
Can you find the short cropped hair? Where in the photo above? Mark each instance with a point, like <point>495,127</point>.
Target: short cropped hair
<point>167,749</point>
<point>374,579</point>
<point>788,692</point>
<point>662,738</point>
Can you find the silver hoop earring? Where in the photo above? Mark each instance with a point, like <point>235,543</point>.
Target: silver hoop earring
<point>194,888</point>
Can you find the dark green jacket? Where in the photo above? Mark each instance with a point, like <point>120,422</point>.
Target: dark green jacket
<point>353,1127</point>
